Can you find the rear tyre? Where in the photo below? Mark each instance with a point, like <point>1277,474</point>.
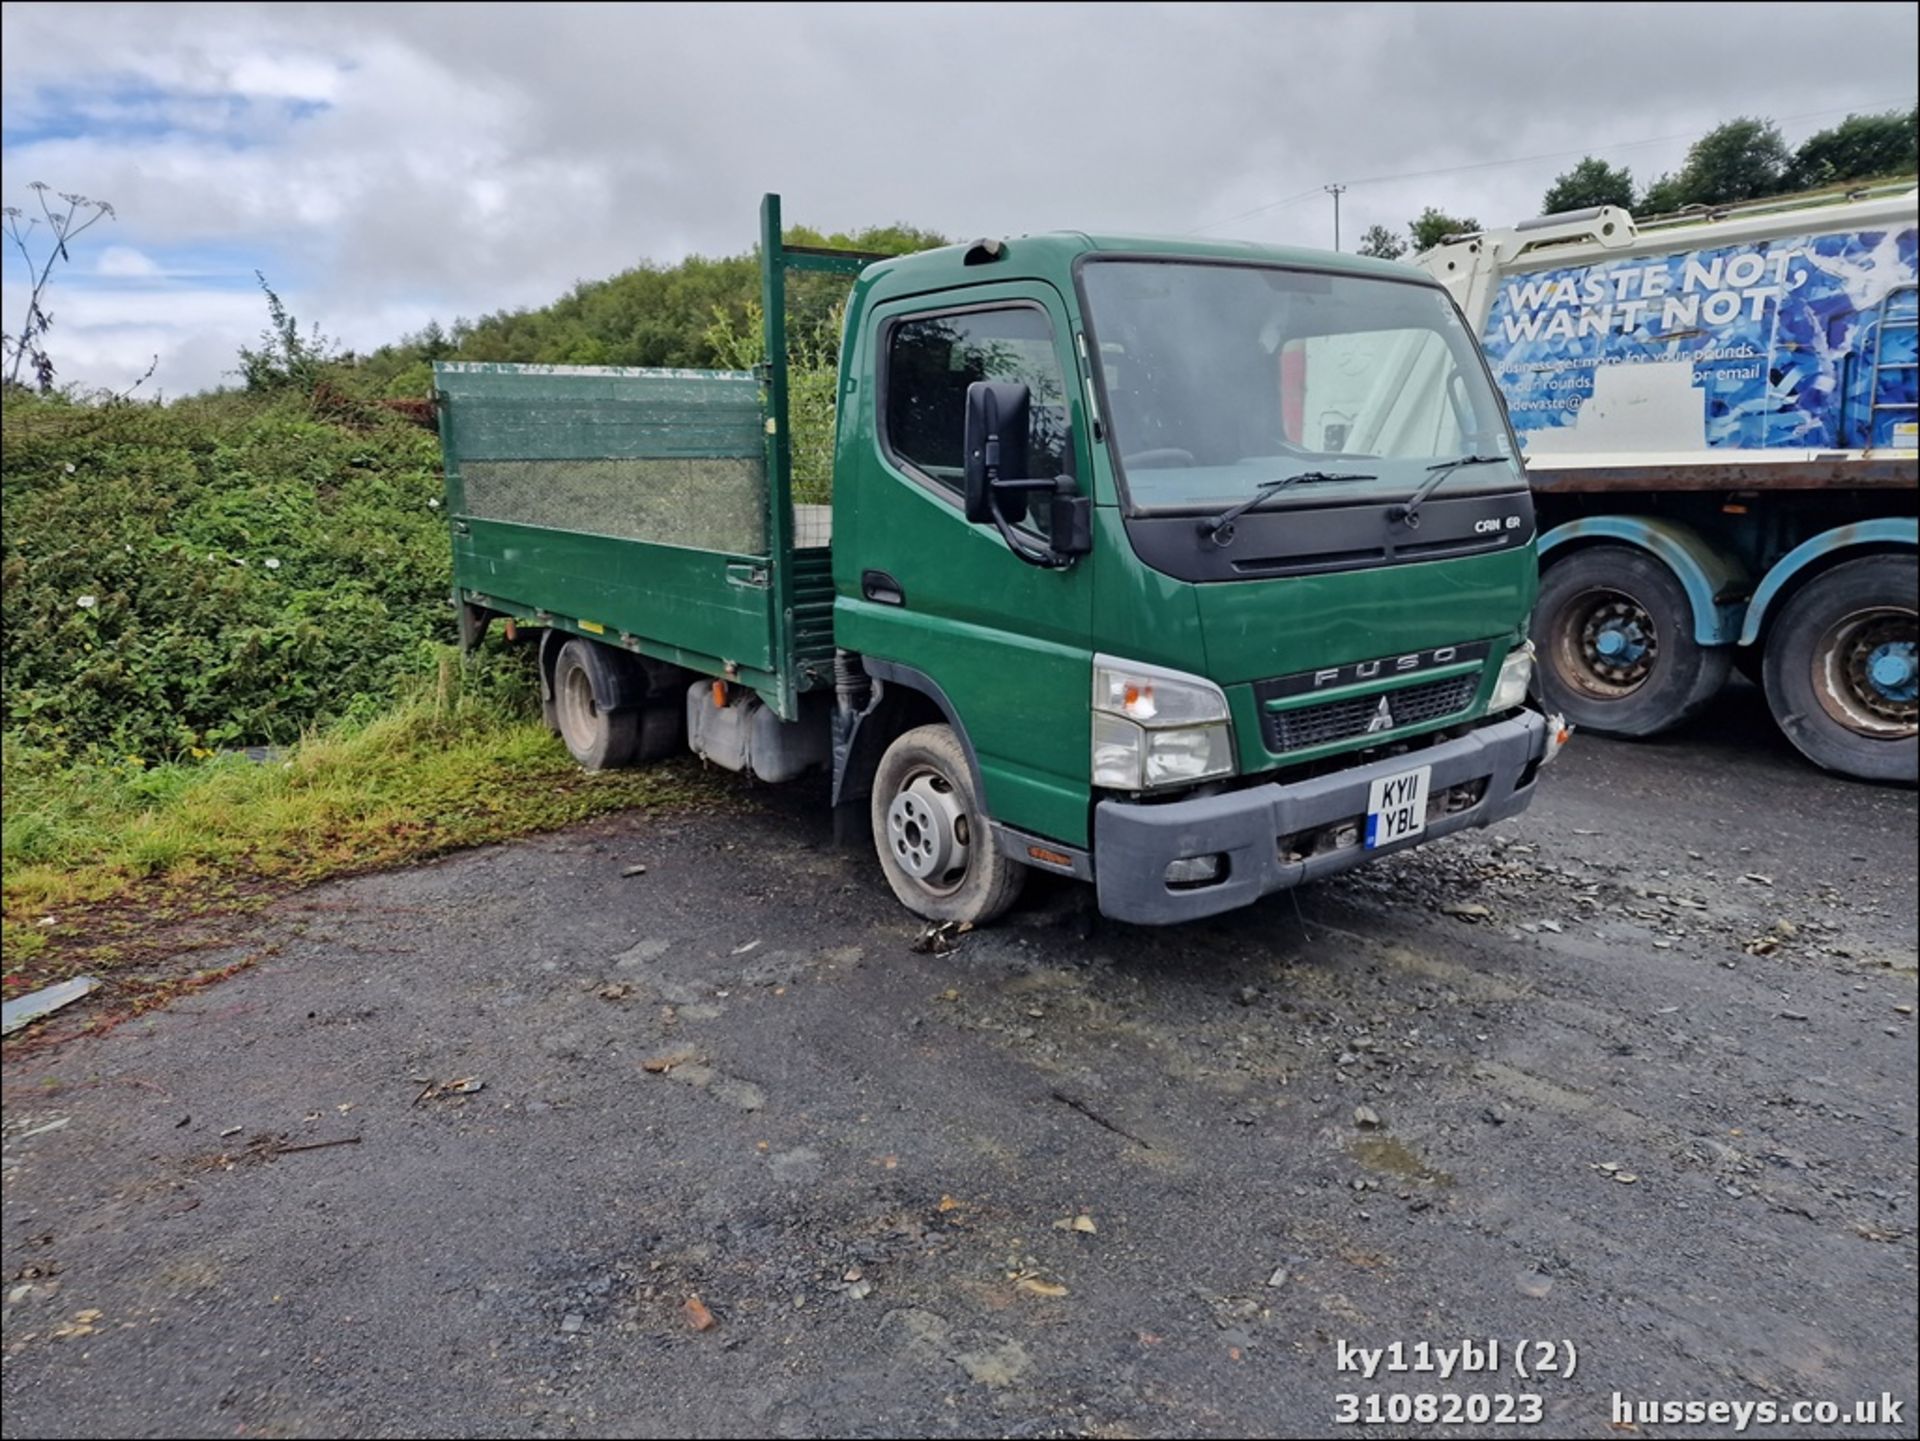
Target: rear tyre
<point>1841,674</point>
<point>598,739</point>
<point>1614,633</point>
<point>935,844</point>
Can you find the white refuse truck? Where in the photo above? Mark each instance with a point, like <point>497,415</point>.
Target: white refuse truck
<point>1718,415</point>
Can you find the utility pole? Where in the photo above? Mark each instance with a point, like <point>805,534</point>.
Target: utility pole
<point>1336,191</point>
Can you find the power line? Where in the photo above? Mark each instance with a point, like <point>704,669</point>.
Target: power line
<point>1515,160</point>
<point>1259,209</point>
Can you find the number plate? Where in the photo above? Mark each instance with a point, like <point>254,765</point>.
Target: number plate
<point>1397,807</point>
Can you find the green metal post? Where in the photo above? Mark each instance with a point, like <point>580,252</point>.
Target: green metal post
<point>773,302</point>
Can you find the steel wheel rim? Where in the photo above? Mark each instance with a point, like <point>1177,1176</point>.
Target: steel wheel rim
<point>1863,672</point>
<point>579,714</point>
<point>1605,643</point>
<point>929,831</point>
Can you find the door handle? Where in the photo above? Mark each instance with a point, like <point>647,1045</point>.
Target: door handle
<point>881,588</point>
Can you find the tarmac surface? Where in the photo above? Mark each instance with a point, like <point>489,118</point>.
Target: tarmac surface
<point>1627,1083</point>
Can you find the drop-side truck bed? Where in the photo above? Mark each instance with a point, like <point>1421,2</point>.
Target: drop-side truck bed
<point>1085,591</point>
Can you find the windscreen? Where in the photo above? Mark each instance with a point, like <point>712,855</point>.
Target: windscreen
<point>1220,377</point>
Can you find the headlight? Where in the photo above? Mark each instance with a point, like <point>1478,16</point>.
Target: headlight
<point>1154,727</point>
<point>1516,673</point>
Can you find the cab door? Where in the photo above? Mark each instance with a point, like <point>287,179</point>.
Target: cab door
<point>1005,642</point>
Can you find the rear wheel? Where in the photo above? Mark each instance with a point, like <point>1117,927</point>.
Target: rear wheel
<point>1614,633</point>
<point>1841,672</point>
<point>598,739</point>
<point>935,844</point>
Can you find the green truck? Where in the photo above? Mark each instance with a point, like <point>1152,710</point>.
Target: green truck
<point>1083,594</point>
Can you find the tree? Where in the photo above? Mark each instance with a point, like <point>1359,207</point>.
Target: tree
<point>1591,182</point>
<point>813,359</point>
<point>1432,226</point>
<point>63,227</point>
<point>286,359</point>
<point>1744,159</point>
<point>433,342</point>
<point>652,315</point>
<point>1660,197</point>
<point>1382,243</point>
<point>1858,147</point>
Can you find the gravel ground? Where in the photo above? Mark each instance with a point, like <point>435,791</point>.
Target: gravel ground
<point>1635,1071</point>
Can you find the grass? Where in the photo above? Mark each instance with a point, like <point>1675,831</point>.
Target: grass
<point>224,571</point>
<point>104,865</point>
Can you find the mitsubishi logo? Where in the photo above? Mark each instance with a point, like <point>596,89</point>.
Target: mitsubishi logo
<point>1382,718</point>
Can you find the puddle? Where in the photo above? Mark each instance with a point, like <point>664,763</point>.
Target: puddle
<point>1383,1153</point>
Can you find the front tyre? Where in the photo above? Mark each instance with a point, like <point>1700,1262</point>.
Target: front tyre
<point>1613,630</point>
<point>1841,673</point>
<point>935,844</point>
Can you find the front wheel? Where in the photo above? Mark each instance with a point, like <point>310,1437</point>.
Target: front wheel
<point>1841,672</point>
<point>1614,632</point>
<point>935,844</point>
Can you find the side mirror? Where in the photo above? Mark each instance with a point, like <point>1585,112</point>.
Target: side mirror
<point>997,483</point>
<point>996,447</point>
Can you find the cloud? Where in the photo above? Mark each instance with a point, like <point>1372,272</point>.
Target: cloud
<point>378,162</point>
<point>121,261</point>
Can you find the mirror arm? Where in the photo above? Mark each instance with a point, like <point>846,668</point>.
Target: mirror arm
<point>1047,558</point>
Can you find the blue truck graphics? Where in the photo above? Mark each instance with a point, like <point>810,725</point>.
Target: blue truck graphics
<point>1791,342</point>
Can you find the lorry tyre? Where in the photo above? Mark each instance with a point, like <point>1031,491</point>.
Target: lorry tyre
<point>1614,633</point>
<point>1841,673</point>
<point>598,739</point>
<point>935,844</point>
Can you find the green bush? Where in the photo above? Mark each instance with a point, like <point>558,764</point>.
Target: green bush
<point>222,571</point>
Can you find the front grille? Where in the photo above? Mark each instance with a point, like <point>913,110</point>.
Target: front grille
<point>1339,720</point>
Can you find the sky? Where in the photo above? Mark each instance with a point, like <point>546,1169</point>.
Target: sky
<point>388,164</point>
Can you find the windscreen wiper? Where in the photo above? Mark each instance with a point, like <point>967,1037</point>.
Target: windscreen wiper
<point>1409,509</point>
<point>1219,528</point>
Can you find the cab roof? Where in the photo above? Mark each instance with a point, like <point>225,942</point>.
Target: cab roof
<point>1052,257</point>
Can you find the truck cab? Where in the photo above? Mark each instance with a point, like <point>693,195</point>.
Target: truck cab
<point>1187,712</point>
<point>1192,570</point>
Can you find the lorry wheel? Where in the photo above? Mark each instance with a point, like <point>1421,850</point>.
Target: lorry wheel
<point>1614,633</point>
<point>599,739</point>
<point>1841,673</point>
<point>935,844</point>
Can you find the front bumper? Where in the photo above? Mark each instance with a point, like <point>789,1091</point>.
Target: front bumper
<point>1133,843</point>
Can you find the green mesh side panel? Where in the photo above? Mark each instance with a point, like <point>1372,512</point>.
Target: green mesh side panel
<point>676,457</point>
<point>707,504</point>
